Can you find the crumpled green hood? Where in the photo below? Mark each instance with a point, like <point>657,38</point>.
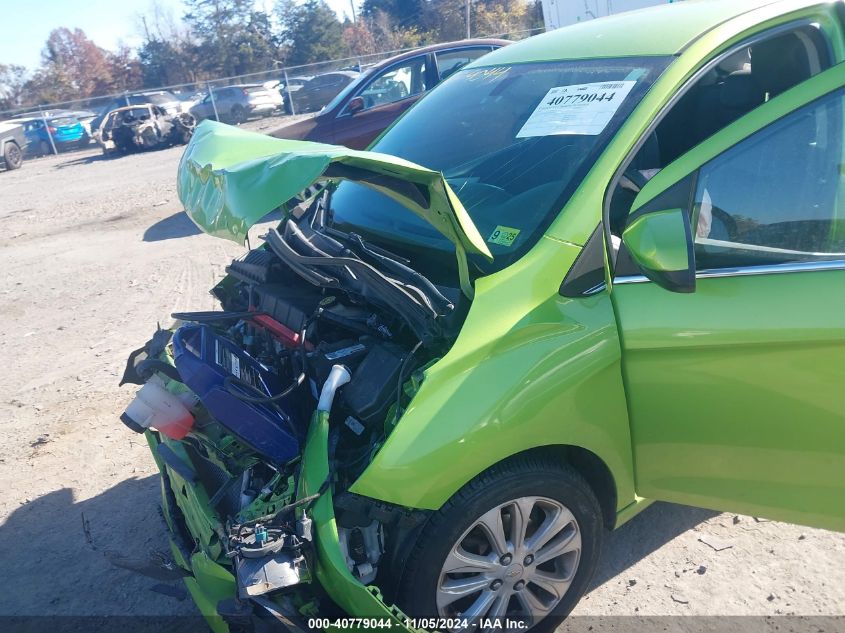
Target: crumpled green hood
<point>229,179</point>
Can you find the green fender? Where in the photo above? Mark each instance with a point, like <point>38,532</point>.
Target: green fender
<point>530,368</point>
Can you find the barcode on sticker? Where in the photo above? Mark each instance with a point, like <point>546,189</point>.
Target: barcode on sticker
<point>611,86</point>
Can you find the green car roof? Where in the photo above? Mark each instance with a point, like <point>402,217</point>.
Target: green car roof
<point>659,30</point>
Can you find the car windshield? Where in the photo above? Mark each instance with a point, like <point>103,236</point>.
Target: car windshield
<point>513,142</point>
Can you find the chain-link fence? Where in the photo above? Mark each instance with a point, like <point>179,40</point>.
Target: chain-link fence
<point>282,91</point>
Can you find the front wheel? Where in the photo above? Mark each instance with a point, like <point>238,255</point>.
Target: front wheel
<point>12,155</point>
<point>519,543</point>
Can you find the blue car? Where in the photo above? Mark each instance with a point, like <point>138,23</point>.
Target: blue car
<point>67,133</point>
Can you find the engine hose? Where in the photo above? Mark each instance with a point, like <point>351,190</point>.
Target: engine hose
<point>229,381</point>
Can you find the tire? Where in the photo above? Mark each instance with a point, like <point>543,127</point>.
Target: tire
<point>12,155</point>
<point>238,115</point>
<point>564,516</point>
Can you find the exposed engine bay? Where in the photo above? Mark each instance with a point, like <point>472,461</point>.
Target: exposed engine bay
<point>312,320</point>
<point>143,127</point>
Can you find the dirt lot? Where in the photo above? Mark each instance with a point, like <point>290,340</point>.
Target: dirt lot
<point>94,252</point>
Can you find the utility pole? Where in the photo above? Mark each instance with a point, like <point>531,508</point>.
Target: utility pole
<point>213,101</point>
<point>47,129</point>
<point>468,33</point>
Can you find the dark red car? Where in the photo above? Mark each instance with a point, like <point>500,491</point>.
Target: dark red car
<point>374,100</point>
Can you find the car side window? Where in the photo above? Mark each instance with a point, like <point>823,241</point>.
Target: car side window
<point>395,83</point>
<point>775,197</point>
<point>736,85</point>
<point>450,61</point>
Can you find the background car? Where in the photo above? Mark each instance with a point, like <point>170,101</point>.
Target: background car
<point>12,145</point>
<point>85,117</point>
<point>378,96</point>
<point>67,133</point>
<point>236,104</point>
<point>165,99</point>
<point>143,127</point>
<point>319,90</point>
<point>293,85</point>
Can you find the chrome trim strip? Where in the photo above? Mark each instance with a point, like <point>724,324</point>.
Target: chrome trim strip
<point>594,290</point>
<point>771,269</point>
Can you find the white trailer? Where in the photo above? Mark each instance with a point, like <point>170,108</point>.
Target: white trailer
<point>558,13</point>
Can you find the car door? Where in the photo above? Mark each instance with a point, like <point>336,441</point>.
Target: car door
<point>735,390</point>
<point>386,96</point>
<point>324,90</point>
<point>204,109</point>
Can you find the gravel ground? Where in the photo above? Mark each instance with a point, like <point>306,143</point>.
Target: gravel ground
<point>94,252</point>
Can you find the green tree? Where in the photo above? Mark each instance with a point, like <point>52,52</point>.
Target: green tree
<point>499,17</point>
<point>445,19</point>
<point>390,36</point>
<point>310,32</point>
<point>406,14</point>
<point>233,37</point>
<point>169,54</point>
<point>12,82</point>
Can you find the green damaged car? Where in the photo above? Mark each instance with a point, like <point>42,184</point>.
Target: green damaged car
<point>589,270</point>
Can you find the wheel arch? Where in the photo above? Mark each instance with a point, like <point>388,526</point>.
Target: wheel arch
<point>586,463</point>
<point>579,469</point>
<point>595,472</point>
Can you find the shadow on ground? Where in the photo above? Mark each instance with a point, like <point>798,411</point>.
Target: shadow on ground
<point>173,227</point>
<point>644,534</point>
<point>54,553</point>
<point>82,160</point>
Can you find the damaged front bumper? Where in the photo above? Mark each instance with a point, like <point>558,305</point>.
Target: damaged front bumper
<point>195,542</point>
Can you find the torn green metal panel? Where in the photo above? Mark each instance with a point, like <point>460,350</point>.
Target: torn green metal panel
<point>229,179</point>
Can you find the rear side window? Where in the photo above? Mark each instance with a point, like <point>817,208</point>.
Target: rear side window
<point>450,61</point>
<point>738,84</point>
<point>735,86</point>
<point>775,197</point>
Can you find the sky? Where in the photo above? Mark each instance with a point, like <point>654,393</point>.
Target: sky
<point>107,22</point>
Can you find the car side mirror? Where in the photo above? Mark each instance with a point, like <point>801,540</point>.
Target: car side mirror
<point>660,242</point>
<point>356,104</point>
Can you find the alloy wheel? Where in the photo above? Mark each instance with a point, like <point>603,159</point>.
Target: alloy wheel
<point>14,157</point>
<point>515,562</point>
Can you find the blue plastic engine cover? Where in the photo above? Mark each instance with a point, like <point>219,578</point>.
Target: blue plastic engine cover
<point>204,360</point>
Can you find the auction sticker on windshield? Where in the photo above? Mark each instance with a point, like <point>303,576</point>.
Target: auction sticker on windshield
<point>579,109</point>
